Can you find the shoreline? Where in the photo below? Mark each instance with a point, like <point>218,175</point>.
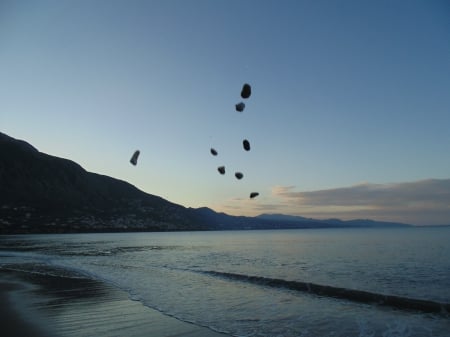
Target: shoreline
<point>48,306</point>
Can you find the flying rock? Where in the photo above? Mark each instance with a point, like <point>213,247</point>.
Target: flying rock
<point>240,107</point>
<point>246,145</point>
<point>238,175</point>
<point>134,158</point>
<point>246,91</point>
<point>221,169</point>
<point>253,195</point>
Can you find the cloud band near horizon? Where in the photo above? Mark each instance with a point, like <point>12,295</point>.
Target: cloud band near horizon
<point>424,202</point>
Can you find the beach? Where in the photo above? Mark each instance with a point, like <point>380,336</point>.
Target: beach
<point>310,283</point>
<point>47,306</point>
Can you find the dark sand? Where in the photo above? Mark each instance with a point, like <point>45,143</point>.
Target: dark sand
<point>12,324</point>
<point>45,306</point>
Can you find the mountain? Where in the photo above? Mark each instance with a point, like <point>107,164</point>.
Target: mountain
<point>43,193</point>
<point>40,193</point>
<point>283,217</point>
<point>329,222</point>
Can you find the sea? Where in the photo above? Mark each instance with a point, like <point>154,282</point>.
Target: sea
<point>305,282</point>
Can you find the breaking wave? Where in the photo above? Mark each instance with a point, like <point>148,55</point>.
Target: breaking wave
<point>397,302</point>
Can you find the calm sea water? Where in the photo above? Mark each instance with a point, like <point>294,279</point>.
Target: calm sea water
<point>189,275</point>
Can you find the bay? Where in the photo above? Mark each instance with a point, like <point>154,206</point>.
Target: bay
<point>235,281</point>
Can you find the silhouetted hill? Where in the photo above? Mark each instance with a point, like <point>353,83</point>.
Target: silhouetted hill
<point>40,193</point>
<point>330,222</point>
<point>222,221</point>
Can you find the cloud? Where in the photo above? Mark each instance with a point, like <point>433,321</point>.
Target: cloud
<point>248,207</point>
<point>420,202</point>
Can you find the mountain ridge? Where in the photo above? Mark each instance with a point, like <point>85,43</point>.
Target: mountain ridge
<point>41,193</point>
<point>349,223</point>
<point>39,190</point>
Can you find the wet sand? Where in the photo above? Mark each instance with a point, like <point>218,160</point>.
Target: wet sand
<point>47,306</point>
<point>14,325</point>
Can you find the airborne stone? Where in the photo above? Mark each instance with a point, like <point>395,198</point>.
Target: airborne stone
<point>246,145</point>
<point>253,195</point>
<point>240,107</point>
<point>134,158</point>
<point>246,91</point>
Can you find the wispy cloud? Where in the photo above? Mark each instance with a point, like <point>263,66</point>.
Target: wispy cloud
<point>421,202</point>
<point>265,203</point>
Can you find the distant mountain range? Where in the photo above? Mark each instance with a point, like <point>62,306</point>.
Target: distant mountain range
<point>40,193</point>
<point>331,222</point>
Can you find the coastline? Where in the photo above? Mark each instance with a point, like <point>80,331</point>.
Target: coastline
<point>48,306</point>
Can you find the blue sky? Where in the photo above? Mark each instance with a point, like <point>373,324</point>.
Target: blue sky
<point>349,115</point>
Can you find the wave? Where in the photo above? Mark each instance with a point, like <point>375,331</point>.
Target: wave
<point>397,302</point>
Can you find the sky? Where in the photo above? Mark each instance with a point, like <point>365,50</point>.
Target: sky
<point>349,115</point>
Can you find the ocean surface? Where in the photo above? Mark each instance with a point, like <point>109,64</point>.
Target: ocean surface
<point>264,283</point>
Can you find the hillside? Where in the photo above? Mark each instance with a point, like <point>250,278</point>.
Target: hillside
<point>40,193</point>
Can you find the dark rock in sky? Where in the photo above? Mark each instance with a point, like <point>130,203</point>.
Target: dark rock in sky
<point>246,91</point>
<point>238,175</point>
<point>221,169</point>
<point>213,152</point>
<point>253,195</point>
<point>246,145</point>
<point>240,107</point>
<point>134,158</point>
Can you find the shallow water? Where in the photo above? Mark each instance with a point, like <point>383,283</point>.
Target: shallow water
<point>186,275</point>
